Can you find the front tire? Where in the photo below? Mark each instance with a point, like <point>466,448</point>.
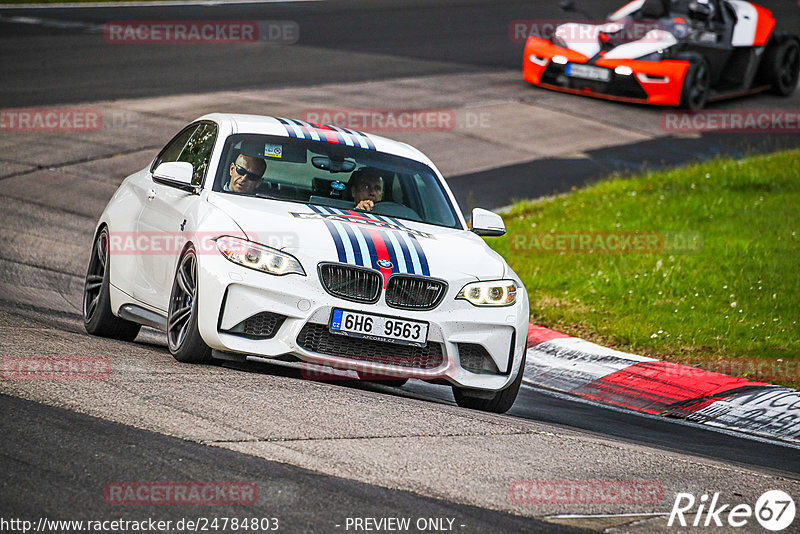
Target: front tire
<point>183,337</point>
<point>98,319</point>
<point>781,67</point>
<point>696,85</point>
<point>500,402</point>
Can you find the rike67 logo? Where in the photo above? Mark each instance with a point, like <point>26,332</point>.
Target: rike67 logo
<point>774,510</point>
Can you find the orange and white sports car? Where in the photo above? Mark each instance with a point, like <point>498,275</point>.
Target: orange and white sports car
<point>681,53</point>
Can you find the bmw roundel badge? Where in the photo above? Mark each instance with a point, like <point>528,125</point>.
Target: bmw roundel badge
<point>386,264</point>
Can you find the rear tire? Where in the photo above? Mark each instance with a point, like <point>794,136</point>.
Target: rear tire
<point>696,85</point>
<point>183,336</point>
<point>500,402</point>
<point>98,319</point>
<point>780,67</point>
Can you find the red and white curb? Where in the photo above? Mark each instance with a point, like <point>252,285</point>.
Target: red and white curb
<point>575,366</point>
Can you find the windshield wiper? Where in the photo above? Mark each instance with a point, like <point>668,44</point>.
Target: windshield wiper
<point>268,197</point>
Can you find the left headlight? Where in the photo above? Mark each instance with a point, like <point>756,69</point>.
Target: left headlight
<point>259,257</point>
<point>493,293</point>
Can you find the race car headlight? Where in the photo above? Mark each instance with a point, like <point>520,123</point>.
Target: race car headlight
<point>259,257</point>
<point>539,60</point>
<point>494,293</point>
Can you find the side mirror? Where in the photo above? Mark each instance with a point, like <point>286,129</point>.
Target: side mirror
<point>486,223</point>
<point>175,173</point>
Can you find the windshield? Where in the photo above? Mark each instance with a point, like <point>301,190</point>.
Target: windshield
<point>334,176</point>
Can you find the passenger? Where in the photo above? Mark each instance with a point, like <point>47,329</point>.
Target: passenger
<point>246,175</point>
<point>366,188</point>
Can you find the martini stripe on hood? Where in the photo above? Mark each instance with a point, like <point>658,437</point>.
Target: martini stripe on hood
<point>365,244</point>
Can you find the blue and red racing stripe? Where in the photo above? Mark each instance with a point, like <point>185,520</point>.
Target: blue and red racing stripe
<point>326,132</point>
<point>377,238</point>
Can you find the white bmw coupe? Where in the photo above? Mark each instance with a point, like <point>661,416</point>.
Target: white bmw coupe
<point>309,245</point>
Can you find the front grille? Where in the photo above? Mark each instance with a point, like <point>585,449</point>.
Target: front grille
<point>414,292</point>
<point>476,359</point>
<point>262,325</point>
<point>618,85</point>
<point>317,338</point>
<point>351,283</point>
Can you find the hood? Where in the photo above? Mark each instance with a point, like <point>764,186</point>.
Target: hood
<point>585,39</point>
<point>653,41</point>
<point>315,234</point>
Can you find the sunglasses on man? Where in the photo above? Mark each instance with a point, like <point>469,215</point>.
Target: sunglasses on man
<point>247,174</point>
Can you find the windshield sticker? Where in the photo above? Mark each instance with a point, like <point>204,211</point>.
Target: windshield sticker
<point>367,241</point>
<point>273,151</point>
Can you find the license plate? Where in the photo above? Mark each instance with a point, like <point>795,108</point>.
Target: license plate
<point>589,73</point>
<point>379,327</point>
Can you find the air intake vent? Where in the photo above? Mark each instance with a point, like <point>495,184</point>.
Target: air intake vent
<point>351,283</point>
<point>262,325</point>
<point>414,292</point>
<point>476,359</point>
<point>317,338</point>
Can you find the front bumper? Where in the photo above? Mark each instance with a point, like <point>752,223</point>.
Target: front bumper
<point>230,294</point>
<point>645,82</point>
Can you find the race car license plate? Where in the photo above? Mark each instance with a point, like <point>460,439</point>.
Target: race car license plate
<point>379,327</point>
<point>577,70</point>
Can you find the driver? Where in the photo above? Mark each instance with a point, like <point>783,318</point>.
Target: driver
<point>366,188</point>
<point>246,174</point>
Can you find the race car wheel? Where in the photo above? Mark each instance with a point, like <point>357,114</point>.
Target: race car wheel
<point>782,67</point>
<point>500,402</point>
<point>696,85</point>
<point>183,337</point>
<point>97,317</point>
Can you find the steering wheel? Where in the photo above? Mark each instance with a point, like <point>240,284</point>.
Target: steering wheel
<point>393,209</point>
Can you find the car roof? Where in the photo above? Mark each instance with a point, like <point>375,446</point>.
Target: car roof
<point>266,125</point>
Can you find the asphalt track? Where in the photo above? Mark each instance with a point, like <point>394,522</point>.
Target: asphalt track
<point>53,471</point>
<point>390,452</point>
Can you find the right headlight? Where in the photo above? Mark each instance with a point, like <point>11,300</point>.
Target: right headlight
<point>259,257</point>
<point>493,293</point>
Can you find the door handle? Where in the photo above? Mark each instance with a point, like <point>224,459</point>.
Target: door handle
<point>151,194</point>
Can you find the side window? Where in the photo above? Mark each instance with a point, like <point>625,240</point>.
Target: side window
<point>198,150</point>
<point>174,148</point>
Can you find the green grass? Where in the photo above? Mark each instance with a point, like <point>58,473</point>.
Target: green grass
<point>734,295</point>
